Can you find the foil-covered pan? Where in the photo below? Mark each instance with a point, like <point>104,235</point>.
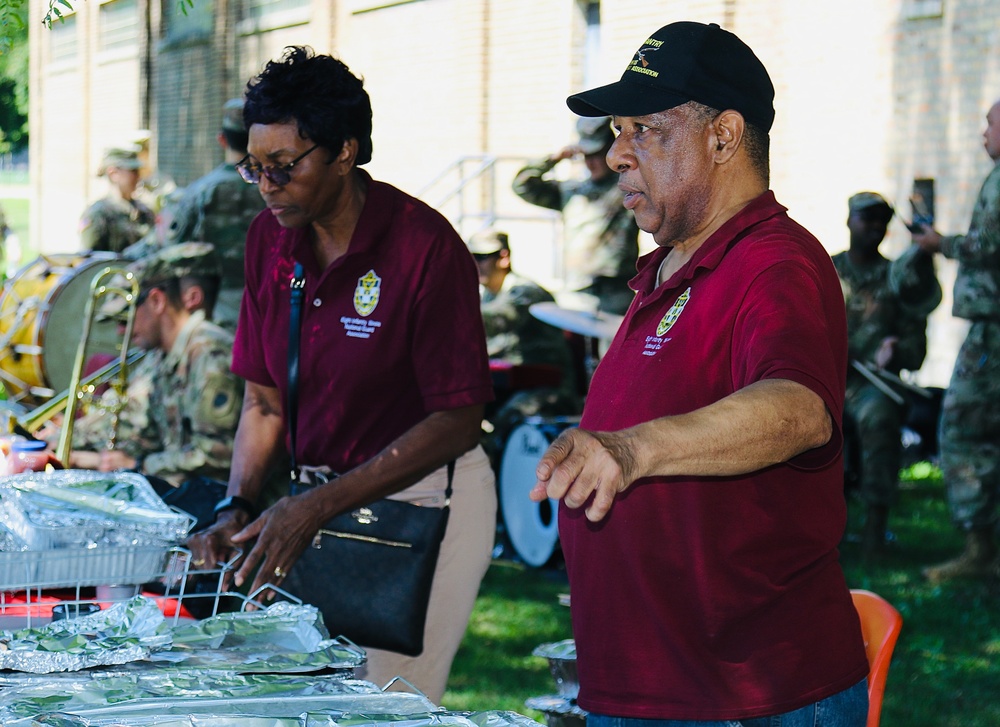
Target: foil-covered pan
<point>562,665</point>
<point>86,509</point>
<point>130,697</point>
<point>97,566</point>
<point>124,632</point>
<point>559,711</point>
<point>284,637</point>
<point>306,719</point>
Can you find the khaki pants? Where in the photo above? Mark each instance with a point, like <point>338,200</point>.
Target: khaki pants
<point>465,556</point>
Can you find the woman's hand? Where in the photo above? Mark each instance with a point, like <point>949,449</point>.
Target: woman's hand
<point>282,532</point>
<point>213,547</point>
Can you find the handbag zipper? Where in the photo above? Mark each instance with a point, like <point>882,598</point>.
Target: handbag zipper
<point>318,539</point>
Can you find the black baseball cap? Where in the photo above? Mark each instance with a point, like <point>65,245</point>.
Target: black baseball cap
<point>683,62</point>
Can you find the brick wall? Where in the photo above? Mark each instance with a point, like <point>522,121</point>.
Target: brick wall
<point>868,97</point>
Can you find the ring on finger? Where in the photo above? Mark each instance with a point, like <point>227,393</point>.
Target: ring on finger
<point>278,573</point>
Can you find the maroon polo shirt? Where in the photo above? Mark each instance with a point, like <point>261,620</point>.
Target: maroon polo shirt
<point>391,331</point>
<point>711,598</point>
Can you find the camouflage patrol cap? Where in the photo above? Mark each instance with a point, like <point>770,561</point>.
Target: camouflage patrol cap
<point>864,200</point>
<point>176,261</point>
<point>488,242</point>
<point>120,157</point>
<point>232,115</point>
<point>595,134</point>
<point>160,266</point>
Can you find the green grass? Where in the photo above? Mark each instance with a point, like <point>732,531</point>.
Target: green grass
<point>517,610</point>
<point>945,670</point>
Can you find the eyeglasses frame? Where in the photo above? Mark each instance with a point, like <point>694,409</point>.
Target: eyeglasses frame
<point>244,168</point>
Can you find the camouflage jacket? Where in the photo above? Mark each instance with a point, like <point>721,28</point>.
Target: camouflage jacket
<point>977,283</point>
<point>600,236</point>
<point>218,208</point>
<point>877,308</point>
<point>514,336</point>
<point>195,404</point>
<point>112,224</point>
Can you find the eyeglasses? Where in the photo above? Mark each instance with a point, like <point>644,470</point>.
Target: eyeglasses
<point>279,174</point>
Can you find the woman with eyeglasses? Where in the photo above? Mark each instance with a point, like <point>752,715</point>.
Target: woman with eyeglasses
<point>393,371</point>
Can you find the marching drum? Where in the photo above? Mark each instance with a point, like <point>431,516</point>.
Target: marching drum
<point>41,323</point>
<point>531,527</point>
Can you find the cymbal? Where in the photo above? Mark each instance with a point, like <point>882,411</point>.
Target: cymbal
<point>586,323</point>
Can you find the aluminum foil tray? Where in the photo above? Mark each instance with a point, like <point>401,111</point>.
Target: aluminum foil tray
<point>307,718</point>
<point>562,665</point>
<point>30,569</point>
<point>83,509</point>
<point>129,698</point>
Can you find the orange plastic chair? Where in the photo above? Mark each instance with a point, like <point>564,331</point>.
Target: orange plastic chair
<point>880,627</point>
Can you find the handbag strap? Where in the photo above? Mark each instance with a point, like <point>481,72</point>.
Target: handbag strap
<point>297,288</point>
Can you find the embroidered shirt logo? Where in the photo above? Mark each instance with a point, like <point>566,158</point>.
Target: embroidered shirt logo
<point>671,316</point>
<point>367,293</point>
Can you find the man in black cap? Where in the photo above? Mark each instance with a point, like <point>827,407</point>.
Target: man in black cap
<point>600,238</point>
<point>702,495</point>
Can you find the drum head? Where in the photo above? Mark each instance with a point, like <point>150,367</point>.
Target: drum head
<point>531,527</point>
<point>64,327</point>
<point>42,319</point>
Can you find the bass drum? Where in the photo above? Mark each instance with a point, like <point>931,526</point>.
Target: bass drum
<point>531,527</point>
<point>41,323</point>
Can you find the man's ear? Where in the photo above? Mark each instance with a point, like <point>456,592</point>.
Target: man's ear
<point>727,132</point>
<point>193,298</point>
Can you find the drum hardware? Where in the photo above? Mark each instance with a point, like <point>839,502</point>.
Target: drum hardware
<point>893,378</point>
<point>531,527</point>
<point>588,324</point>
<point>873,376</point>
<point>593,326</point>
<point>110,282</point>
<point>40,320</point>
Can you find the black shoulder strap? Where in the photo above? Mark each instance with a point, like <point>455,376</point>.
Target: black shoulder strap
<point>298,291</point>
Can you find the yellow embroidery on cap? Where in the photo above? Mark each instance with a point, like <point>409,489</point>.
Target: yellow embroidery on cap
<point>671,316</point>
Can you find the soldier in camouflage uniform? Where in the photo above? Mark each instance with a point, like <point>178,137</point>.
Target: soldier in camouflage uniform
<point>515,337</point>
<point>887,307</point>
<point>194,400</point>
<point>119,219</point>
<point>600,236</point>
<point>970,417</point>
<point>218,208</point>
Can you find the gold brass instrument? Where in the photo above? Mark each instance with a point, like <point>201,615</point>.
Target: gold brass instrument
<point>32,421</point>
<point>110,282</point>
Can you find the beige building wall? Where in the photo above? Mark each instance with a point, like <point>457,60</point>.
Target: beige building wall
<point>868,96</point>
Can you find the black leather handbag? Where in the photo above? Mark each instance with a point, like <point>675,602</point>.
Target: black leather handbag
<point>369,571</point>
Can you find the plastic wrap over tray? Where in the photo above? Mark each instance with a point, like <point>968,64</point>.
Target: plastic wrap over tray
<point>283,638</point>
<point>82,508</point>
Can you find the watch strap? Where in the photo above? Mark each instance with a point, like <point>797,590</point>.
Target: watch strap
<point>235,502</point>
